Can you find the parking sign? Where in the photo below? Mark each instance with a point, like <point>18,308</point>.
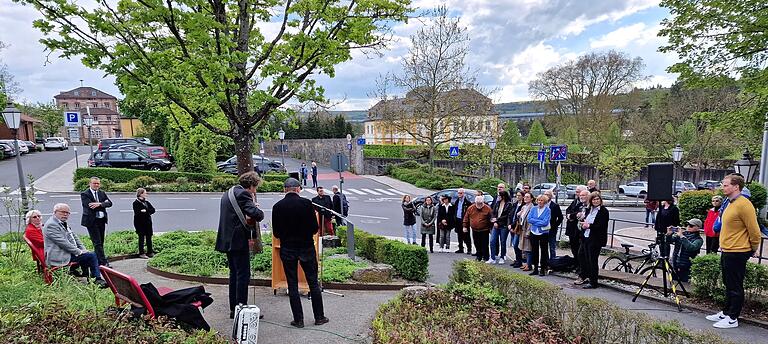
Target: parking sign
<point>71,119</point>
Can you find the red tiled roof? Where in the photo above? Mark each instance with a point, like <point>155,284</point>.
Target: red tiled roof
<point>85,93</point>
<point>25,118</point>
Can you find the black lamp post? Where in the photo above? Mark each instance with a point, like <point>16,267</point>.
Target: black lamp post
<point>746,167</point>
<point>281,135</point>
<point>12,118</point>
<point>677,155</point>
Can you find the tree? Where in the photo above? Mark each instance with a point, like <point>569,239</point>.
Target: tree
<point>537,134</point>
<point>214,59</point>
<point>49,114</point>
<point>8,86</point>
<point>618,164</point>
<point>441,95</point>
<point>511,135</point>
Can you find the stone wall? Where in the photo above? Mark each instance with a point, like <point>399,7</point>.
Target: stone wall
<point>319,150</point>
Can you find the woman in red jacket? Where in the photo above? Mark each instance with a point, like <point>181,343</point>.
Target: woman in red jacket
<point>713,238</point>
<point>34,230</point>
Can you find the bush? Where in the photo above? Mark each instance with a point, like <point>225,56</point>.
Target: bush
<point>145,182</point>
<point>124,175</point>
<point>192,260</point>
<point>389,151</point>
<point>262,262</point>
<point>420,176</point>
<point>223,182</point>
<point>271,186</point>
<point>409,261</point>
<point>759,194</point>
<point>274,177</point>
<point>707,282</point>
<point>339,269</point>
<point>196,151</point>
<point>694,204</point>
<point>488,185</point>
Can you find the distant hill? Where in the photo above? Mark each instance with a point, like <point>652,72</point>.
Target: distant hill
<point>528,106</point>
<point>353,116</point>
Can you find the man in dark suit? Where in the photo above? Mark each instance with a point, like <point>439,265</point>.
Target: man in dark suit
<point>325,216</point>
<point>499,188</point>
<point>555,220</point>
<point>295,224</point>
<point>234,233</point>
<point>575,213</point>
<point>95,203</point>
<point>460,208</point>
<point>340,204</point>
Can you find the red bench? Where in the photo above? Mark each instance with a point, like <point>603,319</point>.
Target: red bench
<point>38,255</point>
<point>127,290</point>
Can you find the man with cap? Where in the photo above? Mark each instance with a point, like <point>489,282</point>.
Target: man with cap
<point>687,242</point>
<point>295,224</point>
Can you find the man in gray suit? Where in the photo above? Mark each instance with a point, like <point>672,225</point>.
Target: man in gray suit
<point>63,247</point>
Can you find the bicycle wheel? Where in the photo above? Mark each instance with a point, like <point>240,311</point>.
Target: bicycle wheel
<point>615,264</point>
<point>657,271</point>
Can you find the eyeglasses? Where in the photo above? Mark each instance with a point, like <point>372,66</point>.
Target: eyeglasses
<point>691,226</point>
<point>35,216</point>
<point>62,211</point>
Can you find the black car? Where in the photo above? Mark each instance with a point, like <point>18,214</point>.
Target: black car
<point>708,185</point>
<point>469,196</point>
<point>8,150</point>
<point>106,143</point>
<point>124,158</point>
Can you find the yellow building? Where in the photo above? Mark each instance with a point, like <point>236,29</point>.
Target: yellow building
<point>459,116</point>
<point>130,126</point>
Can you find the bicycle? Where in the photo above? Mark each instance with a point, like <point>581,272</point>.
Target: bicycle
<point>622,261</point>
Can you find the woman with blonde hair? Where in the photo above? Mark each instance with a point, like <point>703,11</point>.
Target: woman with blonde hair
<point>34,230</point>
<point>524,244</point>
<point>539,222</point>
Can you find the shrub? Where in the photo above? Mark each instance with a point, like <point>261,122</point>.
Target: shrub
<point>488,185</point>
<point>339,269</point>
<point>145,182</point>
<point>420,176</point>
<point>196,151</point>
<point>707,282</point>
<point>271,186</point>
<point>759,194</point>
<point>694,204</point>
<point>192,260</point>
<point>274,177</point>
<point>262,262</point>
<point>223,182</point>
<point>389,151</point>
<point>409,261</point>
<point>124,175</point>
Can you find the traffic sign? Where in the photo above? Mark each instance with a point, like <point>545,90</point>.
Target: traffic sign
<point>349,146</point>
<point>559,172</point>
<point>74,134</point>
<point>261,147</point>
<point>360,141</point>
<point>453,151</point>
<point>542,155</point>
<point>71,119</point>
<point>339,162</point>
<point>558,153</point>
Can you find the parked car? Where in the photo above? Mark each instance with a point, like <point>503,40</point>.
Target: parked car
<point>31,145</point>
<point>156,152</point>
<point>570,190</point>
<point>8,150</point>
<point>233,160</point>
<point>230,166</point>
<point>683,186</point>
<point>469,196</point>
<point>539,189</point>
<point>638,189</point>
<point>56,143</point>
<point>709,185</point>
<point>144,140</point>
<point>22,146</point>
<point>126,158</point>
<point>104,143</point>
<point>39,140</point>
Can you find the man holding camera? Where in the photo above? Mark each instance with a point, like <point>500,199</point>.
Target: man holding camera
<point>687,245</point>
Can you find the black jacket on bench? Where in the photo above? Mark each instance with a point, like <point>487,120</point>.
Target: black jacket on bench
<point>177,304</point>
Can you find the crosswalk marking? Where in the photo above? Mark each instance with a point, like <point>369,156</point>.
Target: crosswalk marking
<point>371,192</point>
<point>18,192</point>
<point>385,192</point>
<point>398,192</point>
<point>355,191</point>
<point>310,191</point>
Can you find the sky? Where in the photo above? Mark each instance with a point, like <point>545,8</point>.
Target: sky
<point>510,42</point>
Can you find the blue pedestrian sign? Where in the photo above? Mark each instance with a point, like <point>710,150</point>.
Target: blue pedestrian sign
<point>453,151</point>
<point>360,141</point>
<point>349,146</point>
<point>542,155</point>
<point>558,153</point>
<point>71,119</point>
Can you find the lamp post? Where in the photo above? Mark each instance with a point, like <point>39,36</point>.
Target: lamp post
<point>492,145</point>
<point>677,155</point>
<point>349,147</point>
<point>281,135</point>
<point>746,167</point>
<point>12,118</point>
<point>88,121</point>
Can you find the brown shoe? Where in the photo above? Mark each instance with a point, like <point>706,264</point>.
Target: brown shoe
<point>579,281</point>
<point>526,268</point>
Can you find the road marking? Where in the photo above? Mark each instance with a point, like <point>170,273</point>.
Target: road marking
<point>63,196</point>
<point>398,192</point>
<point>612,209</point>
<point>385,192</point>
<point>18,192</point>
<point>127,198</point>
<point>355,191</point>
<point>177,198</point>
<point>370,217</point>
<point>45,214</point>
<point>310,191</point>
<point>74,199</point>
<point>179,209</point>
<point>371,191</point>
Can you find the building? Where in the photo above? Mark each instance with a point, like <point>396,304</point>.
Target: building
<point>102,107</point>
<point>130,126</point>
<point>472,119</point>
<point>26,129</point>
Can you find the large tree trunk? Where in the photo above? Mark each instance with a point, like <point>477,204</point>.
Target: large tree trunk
<point>243,141</point>
<point>432,149</point>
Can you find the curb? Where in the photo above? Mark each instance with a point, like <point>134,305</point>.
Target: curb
<point>264,282</point>
<point>755,322</point>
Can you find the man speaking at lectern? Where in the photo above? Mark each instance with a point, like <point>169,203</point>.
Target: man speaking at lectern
<point>294,222</point>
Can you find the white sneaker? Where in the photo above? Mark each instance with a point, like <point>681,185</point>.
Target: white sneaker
<point>490,261</point>
<point>727,322</point>
<point>716,317</point>
<point>500,261</point>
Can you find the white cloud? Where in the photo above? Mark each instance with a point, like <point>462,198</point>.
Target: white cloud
<point>635,34</point>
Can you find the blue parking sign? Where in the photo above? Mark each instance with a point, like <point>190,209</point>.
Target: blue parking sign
<point>71,119</point>
<point>453,151</point>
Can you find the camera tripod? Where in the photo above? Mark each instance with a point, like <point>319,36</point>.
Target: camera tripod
<point>667,273</point>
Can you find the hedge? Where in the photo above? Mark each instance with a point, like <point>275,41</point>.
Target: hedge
<point>694,204</point>
<point>588,319</point>
<point>409,261</point>
<point>420,176</point>
<point>182,183</point>
<point>124,175</point>
<point>390,151</point>
<point>707,282</point>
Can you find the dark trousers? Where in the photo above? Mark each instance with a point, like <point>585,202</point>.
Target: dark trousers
<point>588,260</point>
<point>575,241</point>
<point>96,232</point>
<point>553,242</point>
<point>291,258</point>
<point>481,244</point>
<point>713,244</point>
<point>734,267</point>
<point>88,261</point>
<point>148,238</point>
<point>314,181</point>
<point>540,250</point>
<point>431,241</point>
<point>239,276</point>
<point>463,238</point>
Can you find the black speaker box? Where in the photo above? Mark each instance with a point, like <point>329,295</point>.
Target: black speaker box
<point>294,175</point>
<point>660,181</point>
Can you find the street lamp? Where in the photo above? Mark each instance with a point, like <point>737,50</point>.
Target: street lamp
<point>281,135</point>
<point>677,155</point>
<point>492,145</point>
<point>88,121</point>
<point>12,118</point>
<point>746,167</point>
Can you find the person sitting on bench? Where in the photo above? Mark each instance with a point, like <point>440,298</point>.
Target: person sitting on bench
<point>63,247</point>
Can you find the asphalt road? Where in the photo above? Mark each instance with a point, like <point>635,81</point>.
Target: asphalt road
<point>37,164</point>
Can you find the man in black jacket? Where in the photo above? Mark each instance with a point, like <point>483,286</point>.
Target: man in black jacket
<point>460,208</point>
<point>555,221</point>
<point>340,204</point>
<point>325,216</point>
<point>295,224</point>
<point>95,203</point>
<point>234,233</point>
<point>572,214</point>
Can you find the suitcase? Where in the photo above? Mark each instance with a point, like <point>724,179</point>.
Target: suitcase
<point>245,329</point>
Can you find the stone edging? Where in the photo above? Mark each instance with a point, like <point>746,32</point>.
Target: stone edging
<point>684,305</point>
<point>264,282</point>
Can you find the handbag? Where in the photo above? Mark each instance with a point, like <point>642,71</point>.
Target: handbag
<point>254,244</point>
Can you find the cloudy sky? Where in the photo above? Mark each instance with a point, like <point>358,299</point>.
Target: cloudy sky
<point>511,41</point>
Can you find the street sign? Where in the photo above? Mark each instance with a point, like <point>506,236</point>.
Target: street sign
<point>71,119</point>
<point>558,153</point>
<point>453,151</point>
<point>559,172</point>
<point>261,147</point>
<point>349,146</point>
<point>339,162</point>
<point>360,141</point>
<point>74,134</point>
<point>542,155</point>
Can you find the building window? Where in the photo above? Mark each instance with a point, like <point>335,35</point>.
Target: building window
<point>77,93</point>
<point>93,93</point>
<point>94,105</point>
<point>77,105</point>
<point>106,105</point>
<point>65,105</point>
<point>96,133</point>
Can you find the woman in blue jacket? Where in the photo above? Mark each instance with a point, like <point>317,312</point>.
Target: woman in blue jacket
<point>539,218</point>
